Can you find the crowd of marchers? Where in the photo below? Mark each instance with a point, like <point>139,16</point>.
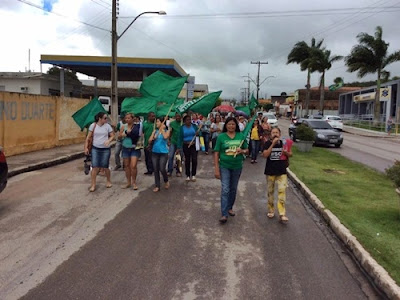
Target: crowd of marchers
<point>168,144</point>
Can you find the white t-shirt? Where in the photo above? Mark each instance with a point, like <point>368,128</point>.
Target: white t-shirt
<point>100,135</point>
<point>241,126</point>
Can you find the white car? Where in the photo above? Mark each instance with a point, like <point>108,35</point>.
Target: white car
<point>335,121</point>
<point>272,120</point>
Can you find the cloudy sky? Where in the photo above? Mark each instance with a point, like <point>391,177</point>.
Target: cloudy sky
<point>213,40</point>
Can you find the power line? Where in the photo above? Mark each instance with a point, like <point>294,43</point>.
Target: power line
<point>102,5</point>
<point>286,13</point>
<point>60,15</point>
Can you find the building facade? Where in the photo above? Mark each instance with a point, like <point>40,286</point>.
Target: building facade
<point>360,103</point>
<point>38,84</point>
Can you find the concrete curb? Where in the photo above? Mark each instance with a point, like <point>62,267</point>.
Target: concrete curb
<point>46,164</point>
<point>379,275</point>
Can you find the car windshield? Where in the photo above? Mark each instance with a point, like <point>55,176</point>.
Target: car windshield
<point>319,124</point>
<point>270,116</point>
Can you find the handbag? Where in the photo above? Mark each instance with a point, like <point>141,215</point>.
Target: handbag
<point>90,140</point>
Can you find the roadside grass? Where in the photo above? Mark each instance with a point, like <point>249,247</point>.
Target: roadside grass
<point>363,199</point>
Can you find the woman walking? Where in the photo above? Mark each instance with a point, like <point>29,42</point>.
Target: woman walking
<point>255,141</point>
<point>160,151</point>
<point>266,131</point>
<point>102,134</point>
<point>229,154</point>
<point>277,153</point>
<point>129,134</point>
<point>205,132</point>
<point>216,129</point>
<point>187,140</point>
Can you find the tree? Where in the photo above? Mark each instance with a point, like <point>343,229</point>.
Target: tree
<point>371,56</point>
<point>324,63</point>
<point>337,80</point>
<point>69,75</point>
<point>306,55</point>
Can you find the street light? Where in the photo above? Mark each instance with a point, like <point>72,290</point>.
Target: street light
<point>114,68</point>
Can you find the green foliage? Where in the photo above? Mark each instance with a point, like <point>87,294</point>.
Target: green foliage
<point>394,173</point>
<point>68,74</point>
<point>305,133</point>
<point>363,199</point>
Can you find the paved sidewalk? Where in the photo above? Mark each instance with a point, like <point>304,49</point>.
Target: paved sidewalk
<point>369,133</point>
<point>36,160</point>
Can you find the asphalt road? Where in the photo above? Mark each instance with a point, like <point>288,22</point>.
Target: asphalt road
<point>164,246</point>
<point>377,153</point>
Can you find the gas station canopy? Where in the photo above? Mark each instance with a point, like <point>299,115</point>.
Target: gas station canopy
<point>129,68</point>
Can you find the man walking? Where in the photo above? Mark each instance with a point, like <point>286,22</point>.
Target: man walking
<point>175,127</point>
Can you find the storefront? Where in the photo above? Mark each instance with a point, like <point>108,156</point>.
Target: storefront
<point>360,104</point>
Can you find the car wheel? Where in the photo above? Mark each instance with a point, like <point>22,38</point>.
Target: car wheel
<point>337,145</point>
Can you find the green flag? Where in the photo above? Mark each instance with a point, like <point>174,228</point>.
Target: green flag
<point>253,102</point>
<point>249,126</point>
<point>202,105</point>
<point>163,109</point>
<point>244,109</point>
<point>85,116</point>
<point>138,106</point>
<point>162,87</point>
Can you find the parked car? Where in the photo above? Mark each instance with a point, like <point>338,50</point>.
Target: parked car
<point>324,133</point>
<point>319,117</point>
<point>335,121</point>
<point>3,170</point>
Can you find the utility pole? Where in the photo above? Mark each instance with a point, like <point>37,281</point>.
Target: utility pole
<point>259,63</point>
<point>248,85</point>
<point>114,70</point>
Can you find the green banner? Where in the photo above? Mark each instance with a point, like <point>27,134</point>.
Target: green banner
<point>85,116</point>
<point>253,102</point>
<point>162,87</point>
<point>244,109</point>
<point>202,105</point>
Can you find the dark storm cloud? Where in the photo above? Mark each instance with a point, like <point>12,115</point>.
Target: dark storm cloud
<point>218,51</point>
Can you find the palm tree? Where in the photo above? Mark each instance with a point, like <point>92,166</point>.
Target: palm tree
<point>370,56</point>
<point>324,63</point>
<point>305,55</point>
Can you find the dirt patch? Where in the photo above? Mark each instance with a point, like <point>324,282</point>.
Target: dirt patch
<point>333,171</point>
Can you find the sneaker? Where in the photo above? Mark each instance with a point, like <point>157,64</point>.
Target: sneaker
<point>148,173</point>
<point>117,167</point>
<point>169,174</point>
<point>188,179</point>
<point>178,174</point>
<point>193,178</point>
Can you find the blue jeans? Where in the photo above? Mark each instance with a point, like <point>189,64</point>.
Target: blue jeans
<point>100,157</point>
<point>229,184</point>
<point>255,146</point>
<point>159,164</point>
<point>117,154</point>
<point>206,136</point>
<point>171,157</point>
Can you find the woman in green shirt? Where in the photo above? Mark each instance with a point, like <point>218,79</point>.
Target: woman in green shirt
<point>230,148</point>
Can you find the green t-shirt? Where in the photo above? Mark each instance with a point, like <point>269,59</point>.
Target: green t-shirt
<point>148,129</point>
<point>176,127</point>
<point>227,149</point>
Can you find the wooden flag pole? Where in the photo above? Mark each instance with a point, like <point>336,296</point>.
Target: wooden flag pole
<point>198,130</point>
